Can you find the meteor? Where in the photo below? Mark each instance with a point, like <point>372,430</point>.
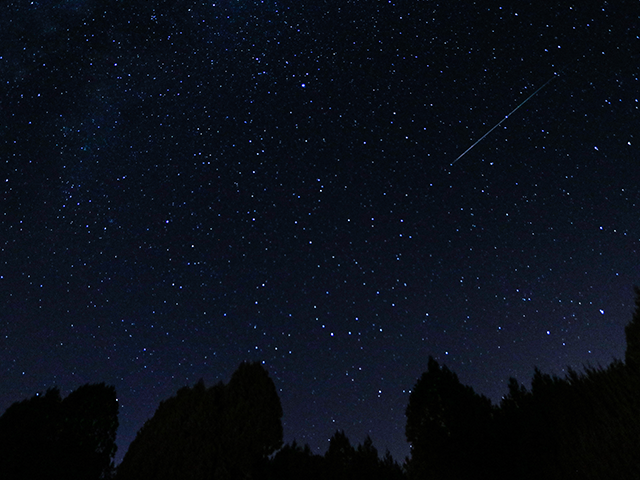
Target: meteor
<point>512,111</point>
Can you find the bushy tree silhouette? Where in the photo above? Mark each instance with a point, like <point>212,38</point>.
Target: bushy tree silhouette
<point>183,432</point>
<point>47,437</point>
<point>448,426</point>
<point>89,425</point>
<point>223,432</point>
<point>252,418</point>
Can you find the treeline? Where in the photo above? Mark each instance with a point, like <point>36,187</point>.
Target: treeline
<point>231,431</point>
<point>342,461</point>
<point>583,426</point>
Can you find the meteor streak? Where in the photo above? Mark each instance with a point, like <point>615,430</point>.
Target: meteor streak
<point>498,124</point>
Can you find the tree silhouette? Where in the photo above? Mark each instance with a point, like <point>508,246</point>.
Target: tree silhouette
<point>220,432</point>
<point>89,425</point>
<point>47,437</point>
<point>390,469</point>
<point>598,429</point>
<point>366,463</point>
<point>341,460</point>
<point>339,456</point>
<point>448,426</point>
<point>252,418</point>
<point>180,439</point>
<point>514,433</point>
<point>28,430</point>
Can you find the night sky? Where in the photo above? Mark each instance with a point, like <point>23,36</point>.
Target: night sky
<point>188,185</point>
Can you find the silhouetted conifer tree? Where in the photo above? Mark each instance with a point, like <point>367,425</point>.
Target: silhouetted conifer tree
<point>366,464</point>
<point>391,469</point>
<point>339,456</point>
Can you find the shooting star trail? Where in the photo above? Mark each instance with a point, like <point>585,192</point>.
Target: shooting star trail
<point>500,122</point>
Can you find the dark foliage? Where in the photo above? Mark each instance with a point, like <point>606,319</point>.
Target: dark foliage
<point>252,420</point>
<point>341,461</point>
<point>583,426</point>
<point>340,456</point>
<point>225,431</point>
<point>47,437</point>
<point>448,426</point>
<point>293,462</point>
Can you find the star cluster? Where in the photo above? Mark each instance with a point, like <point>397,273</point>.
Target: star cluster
<point>188,185</point>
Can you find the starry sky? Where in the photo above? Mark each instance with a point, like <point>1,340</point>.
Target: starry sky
<point>187,185</point>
